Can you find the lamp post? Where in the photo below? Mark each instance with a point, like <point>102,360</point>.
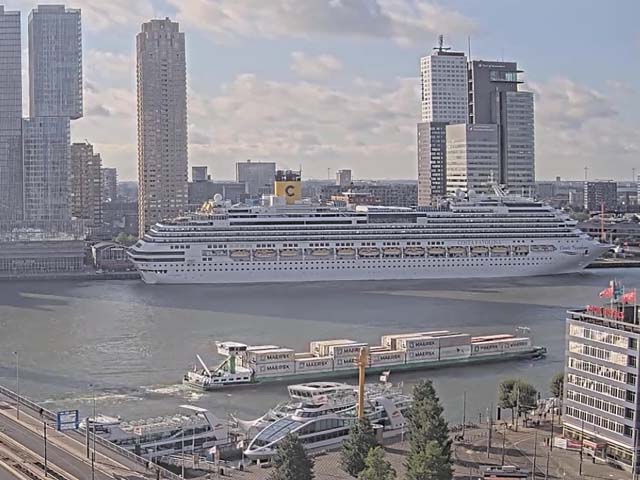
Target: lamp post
<point>17,354</point>
<point>93,423</point>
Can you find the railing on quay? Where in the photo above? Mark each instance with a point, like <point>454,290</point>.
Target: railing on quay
<point>49,415</point>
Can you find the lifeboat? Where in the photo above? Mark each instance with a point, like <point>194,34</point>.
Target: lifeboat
<point>414,251</point>
<point>391,251</point>
<point>499,250</point>
<point>240,254</point>
<point>437,251</point>
<point>264,253</point>
<point>320,252</point>
<point>521,249</point>
<point>479,250</point>
<point>345,252</point>
<point>369,252</point>
<point>289,252</point>
<point>457,251</point>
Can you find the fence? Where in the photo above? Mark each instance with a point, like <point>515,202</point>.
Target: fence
<point>122,452</point>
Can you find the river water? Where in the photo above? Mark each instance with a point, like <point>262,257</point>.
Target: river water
<point>134,341</point>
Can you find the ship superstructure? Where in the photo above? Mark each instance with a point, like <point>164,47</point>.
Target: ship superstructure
<point>478,236</point>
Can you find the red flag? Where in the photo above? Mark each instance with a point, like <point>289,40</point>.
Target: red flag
<point>607,292</point>
<point>629,297</point>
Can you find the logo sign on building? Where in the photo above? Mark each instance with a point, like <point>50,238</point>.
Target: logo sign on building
<point>67,420</point>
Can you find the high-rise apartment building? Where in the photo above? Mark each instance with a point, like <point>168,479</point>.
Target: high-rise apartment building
<point>444,101</point>
<point>602,194</point>
<point>162,122</point>
<point>494,98</point>
<point>343,178</point>
<point>86,184</point>
<point>10,117</point>
<point>259,177</point>
<point>472,157</point>
<point>55,62</point>
<point>109,184</point>
<point>46,167</point>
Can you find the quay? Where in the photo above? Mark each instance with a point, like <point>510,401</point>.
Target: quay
<point>31,444</point>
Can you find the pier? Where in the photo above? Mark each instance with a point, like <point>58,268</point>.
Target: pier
<point>32,448</point>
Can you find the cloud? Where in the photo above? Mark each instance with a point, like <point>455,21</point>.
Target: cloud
<point>314,66</point>
<point>405,21</point>
<point>578,126</point>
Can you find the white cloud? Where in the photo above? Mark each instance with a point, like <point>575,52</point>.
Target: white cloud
<point>405,21</point>
<point>314,66</point>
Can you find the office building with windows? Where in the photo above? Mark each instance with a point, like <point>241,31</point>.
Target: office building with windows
<point>601,380</point>
<point>109,184</point>
<point>162,122</point>
<point>601,194</point>
<point>259,177</point>
<point>86,184</point>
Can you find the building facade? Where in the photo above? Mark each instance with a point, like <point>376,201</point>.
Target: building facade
<point>472,157</point>
<point>162,122</point>
<point>343,178</point>
<point>432,151</point>
<point>601,194</point>
<point>55,62</point>
<point>200,174</point>
<point>109,184</point>
<point>46,168</point>
<point>259,177</point>
<point>86,184</point>
<point>601,380</point>
<point>10,117</point>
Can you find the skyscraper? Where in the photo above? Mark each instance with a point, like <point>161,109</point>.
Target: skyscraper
<point>109,184</point>
<point>444,101</point>
<point>494,98</point>
<point>86,184</point>
<point>162,122</point>
<point>55,62</point>
<point>10,117</point>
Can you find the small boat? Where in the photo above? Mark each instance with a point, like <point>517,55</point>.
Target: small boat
<point>369,252</point>
<point>320,252</point>
<point>391,251</point>
<point>414,251</point>
<point>521,249</point>
<point>289,252</point>
<point>345,252</point>
<point>499,250</point>
<point>240,254</point>
<point>264,253</point>
<point>437,251</point>
<point>479,250</point>
<point>457,251</point>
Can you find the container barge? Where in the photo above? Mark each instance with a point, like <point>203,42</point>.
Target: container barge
<point>246,364</point>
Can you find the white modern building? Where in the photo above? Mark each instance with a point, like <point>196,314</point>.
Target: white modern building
<point>162,122</point>
<point>259,177</point>
<point>10,116</point>
<point>472,157</point>
<point>55,62</point>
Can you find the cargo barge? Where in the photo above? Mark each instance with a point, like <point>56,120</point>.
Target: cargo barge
<point>246,364</point>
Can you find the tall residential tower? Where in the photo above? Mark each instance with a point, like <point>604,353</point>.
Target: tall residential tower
<point>10,117</point>
<point>162,122</point>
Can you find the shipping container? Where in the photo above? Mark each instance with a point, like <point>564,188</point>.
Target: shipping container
<point>315,364</point>
<point>486,348</point>
<point>423,355</point>
<point>271,356</point>
<point>385,358</point>
<point>351,350</point>
<point>257,348</point>
<point>274,369</point>
<point>320,347</point>
<point>390,341</point>
<point>454,340</point>
<point>345,362</point>
<point>456,351</point>
<point>417,343</point>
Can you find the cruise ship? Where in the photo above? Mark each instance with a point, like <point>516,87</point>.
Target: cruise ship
<point>472,236</point>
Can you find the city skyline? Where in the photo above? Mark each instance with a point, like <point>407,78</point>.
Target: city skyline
<point>316,95</point>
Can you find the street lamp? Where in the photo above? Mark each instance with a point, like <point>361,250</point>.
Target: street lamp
<point>17,384</point>
<point>93,422</point>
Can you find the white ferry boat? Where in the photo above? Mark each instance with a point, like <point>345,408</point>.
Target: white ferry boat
<point>247,364</point>
<point>475,236</point>
<point>325,413</point>
<point>197,430</point>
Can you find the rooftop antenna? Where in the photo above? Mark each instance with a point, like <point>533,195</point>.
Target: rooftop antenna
<point>441,47</point>
<point>586,173</point>
<point>469,43</point>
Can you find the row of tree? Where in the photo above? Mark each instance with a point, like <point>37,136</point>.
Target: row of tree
<point>429,456</point>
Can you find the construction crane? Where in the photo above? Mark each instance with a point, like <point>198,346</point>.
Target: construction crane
<point>441,47</point>
<point>362,365</point>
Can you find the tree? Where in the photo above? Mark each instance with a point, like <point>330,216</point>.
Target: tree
<point>514,394</point>
<point>356,448</point>
<point>429,443</point>
<point>291,461</point>
<point>557,385</point>
<point>376,467</point>
<point>125,239</point>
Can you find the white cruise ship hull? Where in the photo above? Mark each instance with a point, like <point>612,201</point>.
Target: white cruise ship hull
<point>533,264</point>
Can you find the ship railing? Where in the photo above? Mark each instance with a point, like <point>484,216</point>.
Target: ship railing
<point>122,452</point>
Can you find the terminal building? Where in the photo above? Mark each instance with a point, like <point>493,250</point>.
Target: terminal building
<point>601,378</point>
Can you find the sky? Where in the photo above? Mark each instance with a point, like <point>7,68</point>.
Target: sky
<point>331,84</point>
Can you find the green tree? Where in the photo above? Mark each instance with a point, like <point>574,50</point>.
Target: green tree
<point>291,461</point>
<point>517,393</point>
<point>376,467</point>
<point>557,385</point>
<point>429,443</point>
<point>125,239</point>
<point>356,448</point>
